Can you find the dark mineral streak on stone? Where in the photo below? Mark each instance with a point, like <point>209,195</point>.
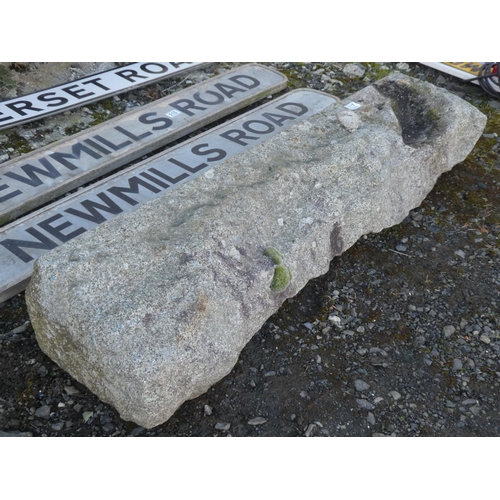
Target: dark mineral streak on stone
<point>336,241</point>
<point>418,121</point>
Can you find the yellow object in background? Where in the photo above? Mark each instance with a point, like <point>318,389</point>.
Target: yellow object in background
<point>469,67</point>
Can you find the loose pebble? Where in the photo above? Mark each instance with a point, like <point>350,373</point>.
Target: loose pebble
<point>475,410</point>
<point>448,331</point>
<point>361,385</point>
<point>364,404</point>
<point>467,402</point>
<point>335,320</point>
<point>309,429</point>
<point>43,412</point>
<point>395,395</point>
<point>353,71</point>
<point>257,421</point>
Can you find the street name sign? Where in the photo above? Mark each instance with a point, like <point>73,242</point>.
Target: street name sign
<point>38,177</point>
<point>26,239</point>
<point>87,90</point>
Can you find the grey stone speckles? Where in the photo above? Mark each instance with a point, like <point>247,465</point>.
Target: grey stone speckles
<point>150,335</point>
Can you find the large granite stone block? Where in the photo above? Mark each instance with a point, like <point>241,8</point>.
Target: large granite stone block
<point>152,308</point>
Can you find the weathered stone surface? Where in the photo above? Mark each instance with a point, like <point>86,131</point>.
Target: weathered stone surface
<point>153,307</point>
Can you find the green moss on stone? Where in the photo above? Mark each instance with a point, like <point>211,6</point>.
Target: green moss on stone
<point>282,275</point>
<point>72,129</point>
<point>274,255</point>
<point>104,111</point>
<point>18,143</point>
<point>376,72</point>
<point>432,114</point>
<point>281,279</point>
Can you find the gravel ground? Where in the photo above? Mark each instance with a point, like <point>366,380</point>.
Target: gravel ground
<point>400,338</point>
